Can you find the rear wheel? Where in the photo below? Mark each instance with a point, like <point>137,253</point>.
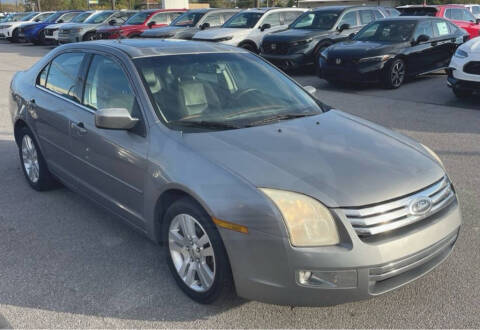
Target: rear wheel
<point>195,252</point>
<point>394,73</point>
<point>461,93</point>
<point>250,47</point>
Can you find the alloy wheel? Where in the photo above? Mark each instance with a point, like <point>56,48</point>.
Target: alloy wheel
<point>192,252</point>
<point>30,159</point>
<point>397,73</point>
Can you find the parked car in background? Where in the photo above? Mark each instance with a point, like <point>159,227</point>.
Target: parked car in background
<point>474,9</point>
<point>51,31</point>
<point>85,31</point>
<point>35,32</point>
<point>141,21</point>
<point>464,69</point>
<point>457,14</point>
<point>13,17</point>
<point>186,25</point>
<point>247,28</point>
<point>314,31</point>
<point>391,49</point>
<point>192,144</point>
<point>10,30</point>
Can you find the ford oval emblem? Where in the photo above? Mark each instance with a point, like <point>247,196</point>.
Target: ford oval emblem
<point>420,205</point>
<point>338,60</point>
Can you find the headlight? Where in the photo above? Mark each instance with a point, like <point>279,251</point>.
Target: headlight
<point>461,53</point>
<point>224,39</point>
<point>380,58</point>
<point>308,222</point>
<point>433,154</point>
<point>301,42</point>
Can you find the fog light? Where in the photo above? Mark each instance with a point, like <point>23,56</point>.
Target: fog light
<point>341,279</point>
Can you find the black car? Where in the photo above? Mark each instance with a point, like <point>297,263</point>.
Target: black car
<point>185,26</point>
<point>390,49</point>
<point>315,30</point>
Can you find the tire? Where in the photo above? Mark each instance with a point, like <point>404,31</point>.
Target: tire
<point>461,93</point>
<point>33,164</point>
<point>89,36</point>
<point>394,74</point>
<point>41,39</point>
<point>250,47</point>
<point>15,39</point>
<point>214,282</point>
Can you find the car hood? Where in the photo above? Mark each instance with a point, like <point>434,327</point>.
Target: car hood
<point>220,33</point>
<point>163,31</point>
<point>360,49</point>
<point>337,158</point>
<point>472,46</point>
<point>294,35</point>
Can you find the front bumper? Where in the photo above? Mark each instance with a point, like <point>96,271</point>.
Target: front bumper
<point>286,62</point>
<point>459,84</point>
<point>265,268</point>
<point>364,72</point>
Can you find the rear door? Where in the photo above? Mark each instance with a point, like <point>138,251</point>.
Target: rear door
<point>422,57</point>
<point>53,107</point>
<point>112,163</point>
<point>445,42</point>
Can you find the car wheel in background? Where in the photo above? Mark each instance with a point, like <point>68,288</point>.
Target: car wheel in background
<point>461,93</point>
<point>15,38</point>
<point>195,252</point>
<point>394,73</point>
<point>89,36</point>
<point>249,46</point>
<point>34,166</point>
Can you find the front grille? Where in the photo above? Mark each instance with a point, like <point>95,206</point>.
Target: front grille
<point>472,67</point>
<point>275,48</point>
<point>49,32</point>
<point>378,219</point>
<point>394,274</point>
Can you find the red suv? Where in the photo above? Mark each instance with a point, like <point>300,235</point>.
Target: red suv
<point>457,14</point>
<point>135,25</point>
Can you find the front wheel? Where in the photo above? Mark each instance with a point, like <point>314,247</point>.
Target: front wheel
<point>15,38</point>
<point>249,47</point>
<point>89,36</point>
<point>195,252</point>
<point>394,74</point>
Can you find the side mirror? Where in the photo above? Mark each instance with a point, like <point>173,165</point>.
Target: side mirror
<point>422,38</point>
<point>150,24</point>
<point>114,118</point>
<point>204,26</point>
<point>265,27</point>
<point>310,89</point>
<point>60,21</point>
<point>343,27</point>
<point>112,22</point>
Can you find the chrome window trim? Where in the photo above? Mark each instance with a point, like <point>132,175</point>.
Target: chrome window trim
<point>64,98</point>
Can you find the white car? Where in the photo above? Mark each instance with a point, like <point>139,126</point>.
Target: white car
<point>464,69</point>
<point>9,30</point>
<point>247,28</point>
<point>474,9</point>
<point>51,31</point>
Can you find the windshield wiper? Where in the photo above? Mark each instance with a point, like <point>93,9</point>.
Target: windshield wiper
<point>279,117</point>
<point>204,124</point>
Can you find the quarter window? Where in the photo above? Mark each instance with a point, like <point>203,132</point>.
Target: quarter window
<point>63,75</point>
<point>349,18</point>
<point>42,77</point>
<point>107,86</point>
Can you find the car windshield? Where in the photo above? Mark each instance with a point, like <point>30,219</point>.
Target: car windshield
<point>52,18</point>
<point>99,18</point>
<point>387,31</point>
<point>14,17</point>
<point>80,18</point>
<point>217,90</point>
<point>138,18</point>
<point>28,17</point>
<point>189,19</point>
<point>243,20</point>
<point>319,20</point>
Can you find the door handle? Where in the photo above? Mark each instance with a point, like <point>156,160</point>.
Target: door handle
<point>80,128</point>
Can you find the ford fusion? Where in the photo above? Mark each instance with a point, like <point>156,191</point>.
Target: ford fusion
<point>251,185</point>
<point>391,49</point>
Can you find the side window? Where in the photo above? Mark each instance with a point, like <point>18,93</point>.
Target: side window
<point>107,86</point>
<point>160,18</point>
<point>214,19</point>
<point>273,19</point>
<point>349,18</point>
<point>68,17</point>
<point>120,18</point>
<point>305,20</point>
<point>63,75</point>
<point>441,28</point>
<point>290,16</point>
<point>378,14</point>
<point>42,77</point>
<point>424,28</point>
<point>227,15</point>
<point>174,15</point>
<point>366,16</point>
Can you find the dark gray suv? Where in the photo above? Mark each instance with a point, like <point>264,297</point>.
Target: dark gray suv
<point>315,30</point>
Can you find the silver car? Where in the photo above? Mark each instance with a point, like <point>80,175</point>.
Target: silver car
<point>251,185</point>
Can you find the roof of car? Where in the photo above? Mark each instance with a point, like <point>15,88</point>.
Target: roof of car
<point>409,18</point>
<point>136,48</point>
<point>431,6</point>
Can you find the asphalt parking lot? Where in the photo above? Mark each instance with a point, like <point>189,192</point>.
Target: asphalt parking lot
<point>66,263</point>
